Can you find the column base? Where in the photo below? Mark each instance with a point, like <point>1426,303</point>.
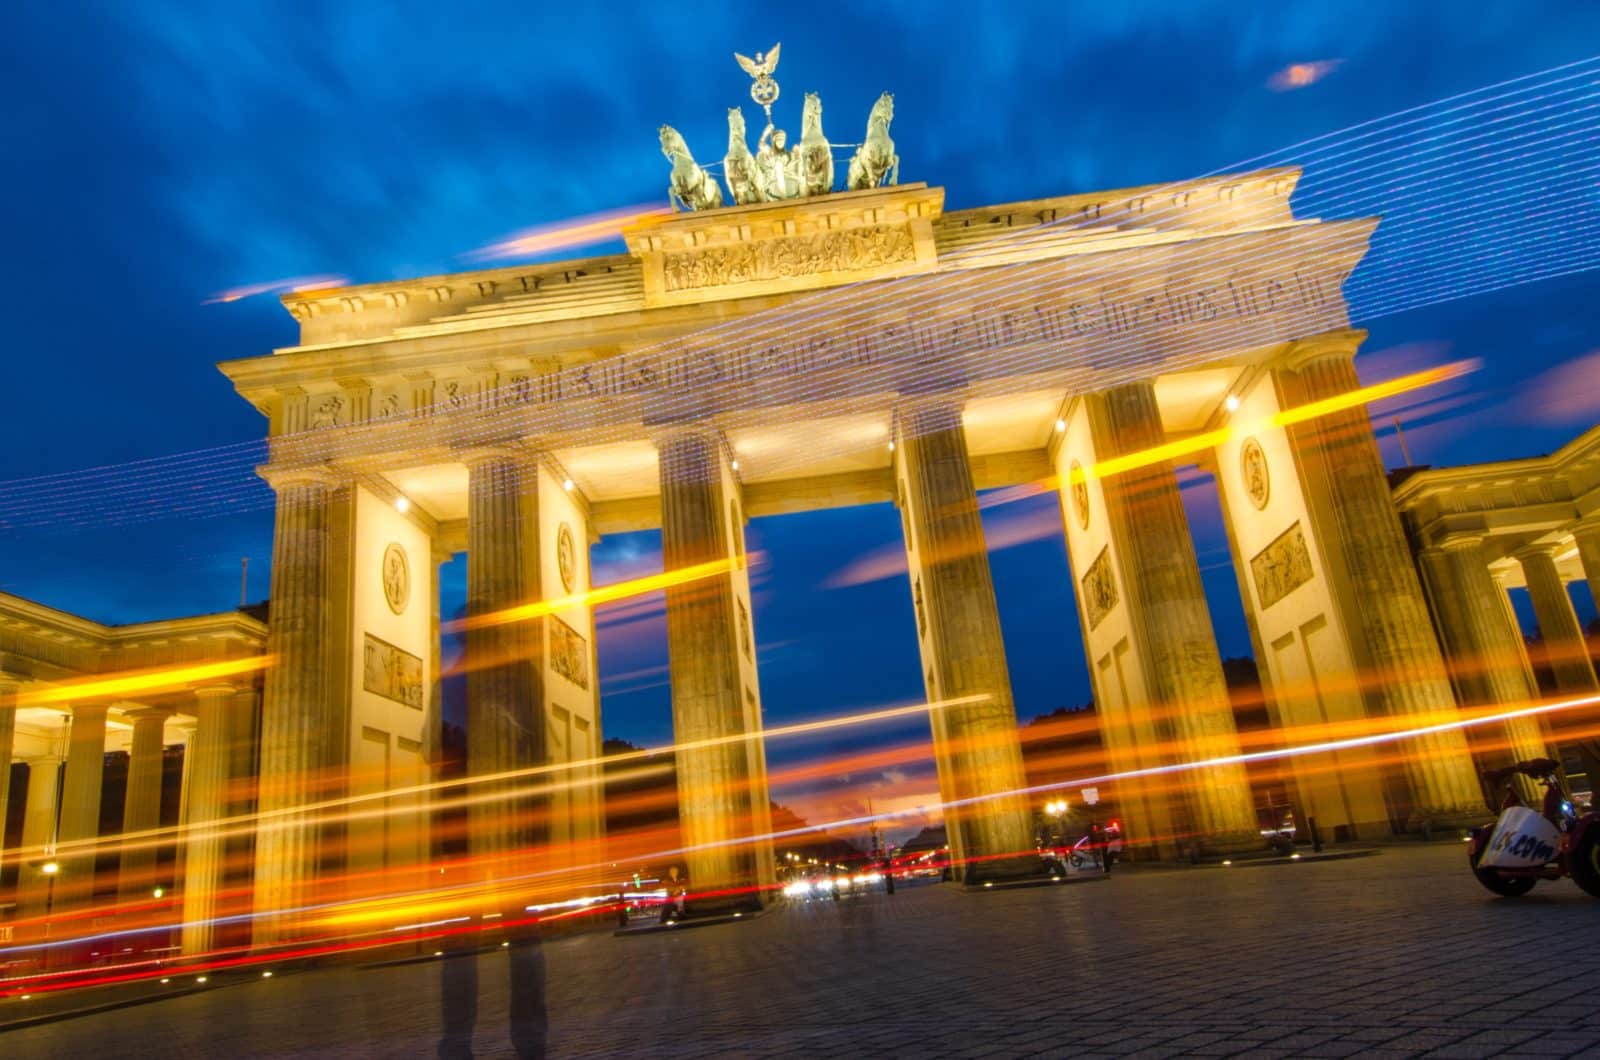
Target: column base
<point>1225,845</point>
<point>1009,869</point>
<point>1446,825</point>
<point>722,906</point>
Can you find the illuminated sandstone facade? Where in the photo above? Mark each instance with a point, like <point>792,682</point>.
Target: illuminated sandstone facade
<point>857,348</point>
<point>849,349</point>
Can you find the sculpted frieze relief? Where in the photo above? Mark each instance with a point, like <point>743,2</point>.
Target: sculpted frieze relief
<point>1281,567</point>
<point>1066,320</point>
<point>948,329</point>
<point>569,653</point>
<point>392,673</point>
<point>1099,589</point>
<point>328,410</point>
<point>785,258</point>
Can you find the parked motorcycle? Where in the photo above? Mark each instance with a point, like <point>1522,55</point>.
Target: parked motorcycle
<point>1524,845</point>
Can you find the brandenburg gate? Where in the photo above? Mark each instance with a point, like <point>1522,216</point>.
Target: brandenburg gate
<point>779,355</point>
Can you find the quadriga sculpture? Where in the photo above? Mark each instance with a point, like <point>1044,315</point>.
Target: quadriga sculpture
<point>875,159</point>
<point>739,167</point>
<point>690,185</point>
<point>814,155</point>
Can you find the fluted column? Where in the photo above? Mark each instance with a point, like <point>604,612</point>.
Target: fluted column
<point>295,712</point>
<point>722,796</point>
<point>204,847</point>
<point>1178,646</point>
<point>1564,645</point>
<point>40,817</point>
<point>1485,652</point>
<point>141,808</point>
<point>1566,650</point>
<point>505,728</point>
<point>1586,535</point>
<point>79,827</point>
<point>8,723</point>
<point>1407,678</point>
<point>976,744</point>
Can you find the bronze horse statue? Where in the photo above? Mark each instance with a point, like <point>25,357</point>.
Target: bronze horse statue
<point>691,186</point>
<point>875,159</point>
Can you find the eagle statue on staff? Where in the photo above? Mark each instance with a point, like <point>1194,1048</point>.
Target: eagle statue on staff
<point>764,90</point>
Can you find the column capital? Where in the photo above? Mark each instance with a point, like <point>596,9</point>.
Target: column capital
<point>1533,551</point>
<point>281,478</point>
<point>1341,344</point>
<point>43,758</point>
<point>515,452</point>
<point>1459,541</point>
<point>918,415</point>
<point>88,708</point>
<point>664,434</point>
<point>1588,524</point>
<point>143,713</point>
<point>215,690</point>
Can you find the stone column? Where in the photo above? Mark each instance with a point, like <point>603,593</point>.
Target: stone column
<point>8,722</point>
<point>40,818</point>
<point>79,826</point>
<point>1586,535</point>
<point>505,727</point>
<point>1171,620</point>
<point>1566,649</point>
<point>1406,676</point>
<point>977,747</point>
<point>722,795</point>
<point>1485,651</point>
<point>141,809</point>
<point>204,847</point>
<point>295,712</point>
<point>1564,644</point>
<point>243,767</point>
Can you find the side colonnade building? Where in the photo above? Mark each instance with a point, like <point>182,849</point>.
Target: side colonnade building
<point>1482,530</point>
<point>73,691</point>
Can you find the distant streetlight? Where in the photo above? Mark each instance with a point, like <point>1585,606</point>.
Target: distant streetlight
<point>50,868</point>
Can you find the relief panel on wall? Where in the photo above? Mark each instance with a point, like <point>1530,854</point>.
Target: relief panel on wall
<point>1099,589</point>
<point>569,653</point>
<point>392,673</point>
<point>1281,567</point>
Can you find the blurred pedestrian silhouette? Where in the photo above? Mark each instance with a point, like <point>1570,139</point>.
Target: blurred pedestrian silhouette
<point>503,926</point>
<point>525,983</point>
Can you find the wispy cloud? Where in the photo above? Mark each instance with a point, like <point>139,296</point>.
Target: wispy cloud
<point>1302,75</point>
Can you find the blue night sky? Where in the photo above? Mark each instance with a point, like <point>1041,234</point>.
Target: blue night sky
<point>159,153</point>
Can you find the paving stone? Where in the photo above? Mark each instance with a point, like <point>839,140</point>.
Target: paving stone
<point>1397,955</point>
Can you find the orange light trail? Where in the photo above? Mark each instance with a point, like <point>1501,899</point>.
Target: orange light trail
<point>294,284</point>
<point>596,597</point>
<point>161,679</point>
<point>566,235</point>
<point>1284,418</point>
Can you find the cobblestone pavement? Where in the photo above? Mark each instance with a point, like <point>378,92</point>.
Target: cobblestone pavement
<point>1396,955</point>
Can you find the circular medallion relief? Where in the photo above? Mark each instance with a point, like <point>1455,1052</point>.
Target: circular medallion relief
<point>1253,471</point>
<point>396,577</point>
<point>566,557</point>
<point>1080,494</point>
